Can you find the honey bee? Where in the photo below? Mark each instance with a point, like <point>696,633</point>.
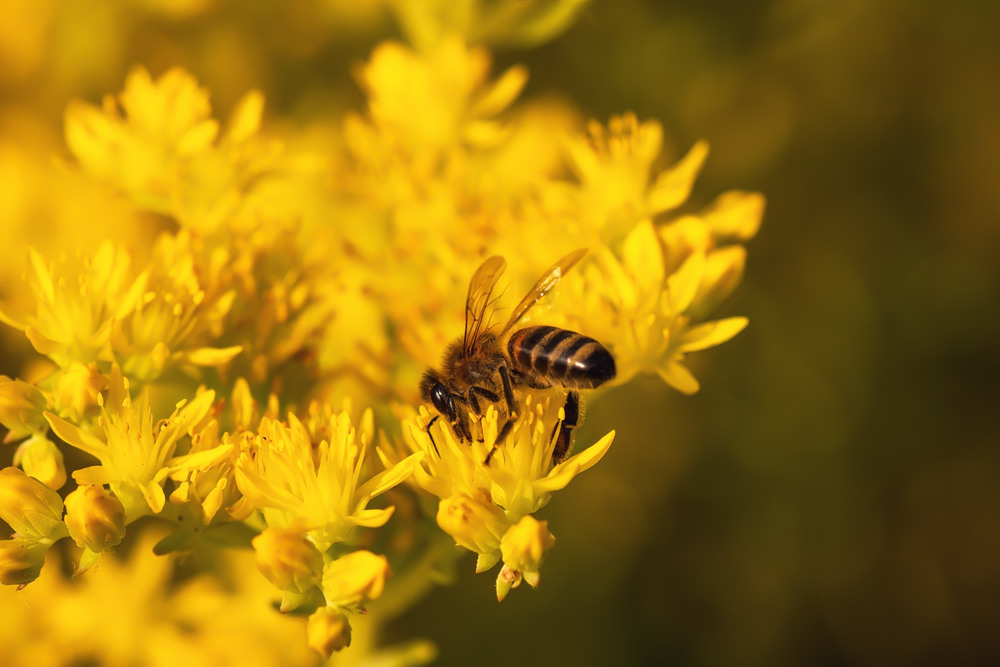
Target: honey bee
<point>484,366</point>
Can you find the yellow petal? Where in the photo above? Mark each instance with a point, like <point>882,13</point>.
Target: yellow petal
<point>679,377</point>
<point>735,215</point>
<point>210,356</point>
<point>673,186</point>
<point>711,334</point>
<point>683,284</point>
<point>563,474</point>
<point>245,119</point>
<point>387,479</point>
<point>77,437</point>
<point>503,91</point>
<point>643,257</point>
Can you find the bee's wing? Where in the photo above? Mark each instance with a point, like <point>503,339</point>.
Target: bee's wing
<point>548,280</point>
<point>480,296</point>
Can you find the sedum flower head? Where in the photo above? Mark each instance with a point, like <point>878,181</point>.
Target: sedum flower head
<point>314,484</point>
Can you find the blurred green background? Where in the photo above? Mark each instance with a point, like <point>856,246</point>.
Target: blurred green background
<point>832,495</point>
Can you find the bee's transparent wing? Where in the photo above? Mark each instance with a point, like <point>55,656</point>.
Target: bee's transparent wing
<point>479,300</point>
<point>548,280</point>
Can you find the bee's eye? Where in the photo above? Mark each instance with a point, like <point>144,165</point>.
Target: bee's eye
<point>443,402</point>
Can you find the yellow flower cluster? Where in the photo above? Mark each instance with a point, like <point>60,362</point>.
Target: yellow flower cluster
<point>208,378</point>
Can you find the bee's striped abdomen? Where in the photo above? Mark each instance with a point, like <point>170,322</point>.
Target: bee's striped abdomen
<point>562,357</point>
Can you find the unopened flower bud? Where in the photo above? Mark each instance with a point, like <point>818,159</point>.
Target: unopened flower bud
<point>476,524</point>
<point>21,407</point>
<point>354,579</point>
<point>524,547</point>
<point>40,458</point>
<point>526,543</point>
<point>288,559</point>
<point>20,561</point>
<point>327,631</point>
<point>95,518</point>
<point>32,509</point>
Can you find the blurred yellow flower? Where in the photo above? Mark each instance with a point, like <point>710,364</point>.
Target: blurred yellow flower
<point>77,300</point>
<point>614,166</point>
<point>158,142</point>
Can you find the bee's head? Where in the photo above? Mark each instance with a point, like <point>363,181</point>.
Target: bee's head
<point>433,391</point>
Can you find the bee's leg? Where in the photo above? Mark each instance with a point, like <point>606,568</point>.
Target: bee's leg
<point>508,394</point>
<point>462,430</point>
<point>571,412</point>
<point>428,429</point>
<point>485,393</point>
<point>508,391</point>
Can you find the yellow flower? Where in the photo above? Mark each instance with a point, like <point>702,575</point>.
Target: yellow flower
<point>206,477</point>
<point>614,171</point>
<point>175,318</point>
<point>133,453</point>
<point>77,301</point>
<point>644,304</point>
<point>316,486</point>
<point>436,100</point>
